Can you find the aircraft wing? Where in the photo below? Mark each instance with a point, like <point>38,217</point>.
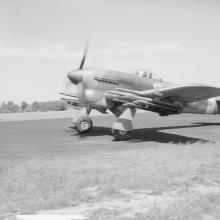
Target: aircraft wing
<point>132,100</point>
<point>184,94</point>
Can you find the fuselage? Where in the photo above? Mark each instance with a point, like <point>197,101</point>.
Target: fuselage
<point>97,82</point>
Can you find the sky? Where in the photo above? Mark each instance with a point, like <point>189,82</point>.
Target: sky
<point>42,40</point>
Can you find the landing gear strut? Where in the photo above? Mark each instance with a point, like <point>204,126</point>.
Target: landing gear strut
<point>120,135</point>
<point>83,124</point>
<point>122,127</point>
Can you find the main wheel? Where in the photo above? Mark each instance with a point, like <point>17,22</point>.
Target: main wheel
<point>83,125</point>
<point>120,135</point>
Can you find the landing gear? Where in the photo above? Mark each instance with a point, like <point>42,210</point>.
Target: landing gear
<point>122,127</point>
<point>83,125</point>
<point>120,135</point>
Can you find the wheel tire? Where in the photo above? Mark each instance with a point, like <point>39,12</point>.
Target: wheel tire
<point>83,125</point>
<point>120,135</point>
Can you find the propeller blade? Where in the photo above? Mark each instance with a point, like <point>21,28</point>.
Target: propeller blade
<point>81,92</point>
<point>84,55</point>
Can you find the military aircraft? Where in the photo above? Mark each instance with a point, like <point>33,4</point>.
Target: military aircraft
<point>123,93</point>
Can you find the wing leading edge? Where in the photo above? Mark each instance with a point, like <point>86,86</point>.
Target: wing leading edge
<point>183,94</point>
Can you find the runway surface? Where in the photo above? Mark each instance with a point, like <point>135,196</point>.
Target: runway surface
<point>54,137</point>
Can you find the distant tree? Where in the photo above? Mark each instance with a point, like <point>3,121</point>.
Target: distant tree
<point>24,106</point>
<point>29,108</point>
<point>35,106</point>
<point>62,106</point>
<point>3,107</point>
<point>52,106</point>
<point>11,107</point>
<point>58,106</point>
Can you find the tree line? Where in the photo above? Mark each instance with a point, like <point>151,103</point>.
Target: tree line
<point>10,107</point>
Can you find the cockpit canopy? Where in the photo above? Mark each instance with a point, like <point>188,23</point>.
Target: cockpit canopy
<point>148,74</point>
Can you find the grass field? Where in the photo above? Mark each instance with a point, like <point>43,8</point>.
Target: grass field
<point>157,181</point>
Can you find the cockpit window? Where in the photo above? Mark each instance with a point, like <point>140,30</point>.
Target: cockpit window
<point>148,74</point>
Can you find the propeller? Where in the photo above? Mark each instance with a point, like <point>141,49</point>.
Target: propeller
<point>81,84</point>
<point>86,47</point>
<point>81,93</point>
<point>75,83</point>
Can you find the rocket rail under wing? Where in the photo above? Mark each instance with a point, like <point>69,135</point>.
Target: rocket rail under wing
<point>150,104</point>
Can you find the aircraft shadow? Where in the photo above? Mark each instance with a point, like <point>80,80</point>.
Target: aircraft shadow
<point>206,124</point>
<point>155,134</point>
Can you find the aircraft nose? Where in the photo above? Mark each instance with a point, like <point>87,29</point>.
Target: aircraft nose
<point>75,76</point>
